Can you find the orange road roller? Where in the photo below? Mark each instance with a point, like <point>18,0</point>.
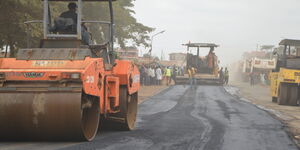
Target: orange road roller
<point>65,88</point>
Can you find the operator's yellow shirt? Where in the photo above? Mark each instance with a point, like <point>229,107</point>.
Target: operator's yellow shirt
<point>192,72</point>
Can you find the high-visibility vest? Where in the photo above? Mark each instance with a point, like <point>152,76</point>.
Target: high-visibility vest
<point>168,73</point>
<point>192,72</point>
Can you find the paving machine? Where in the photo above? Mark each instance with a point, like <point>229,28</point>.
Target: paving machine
<point>60,90</point>
<point>207,68</point>
<point>285,79</point>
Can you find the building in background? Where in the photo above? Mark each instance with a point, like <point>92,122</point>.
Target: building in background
<point>177,56</point>
<point>129,53</point>
<point>172,63</point>
<point>177,59</point>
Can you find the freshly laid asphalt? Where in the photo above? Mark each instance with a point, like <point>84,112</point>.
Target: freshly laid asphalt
<point>183,118</point>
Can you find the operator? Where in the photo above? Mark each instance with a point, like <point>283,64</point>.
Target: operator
<point>66,23</point>
<point>71,13</point>
<point>211,59</point>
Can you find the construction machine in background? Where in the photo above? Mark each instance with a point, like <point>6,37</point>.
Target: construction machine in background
<point>245,69</point>
<point>256,63</point>
<point>207,68</point>
<point>64,89</point>
<point>257,66</point>
<point>285,79</point>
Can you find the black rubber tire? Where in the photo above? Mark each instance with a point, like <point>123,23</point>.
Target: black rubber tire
<point>293,95</point>
<point>283,94</point>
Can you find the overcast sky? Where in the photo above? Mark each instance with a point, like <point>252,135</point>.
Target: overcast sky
<point>236,25</point>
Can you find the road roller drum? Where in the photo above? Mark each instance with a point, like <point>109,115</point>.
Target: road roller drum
<point>48,116</point>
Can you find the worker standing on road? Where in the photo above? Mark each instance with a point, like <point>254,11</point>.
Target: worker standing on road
<point>221,76</point>
<point>158,75</point>
<point>252,78</point>
<point>226,75</point>
<point>152,75</point>
<point>142,71</point>
<point>174,73</point>
<point>168,75</point>
<point>192,72</point>
<point>147,70</point>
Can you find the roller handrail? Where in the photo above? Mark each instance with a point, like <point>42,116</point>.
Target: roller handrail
<point>33,21</point>
<point>86,21</point>
<point>100,22</point>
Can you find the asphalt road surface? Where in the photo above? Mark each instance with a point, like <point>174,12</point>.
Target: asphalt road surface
<point>183,118</point>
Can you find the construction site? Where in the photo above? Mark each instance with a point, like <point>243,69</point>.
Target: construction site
<point>113,74</point>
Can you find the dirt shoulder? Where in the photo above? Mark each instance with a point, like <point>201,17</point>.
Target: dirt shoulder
<point>148,91</point>
<point>260,96</point>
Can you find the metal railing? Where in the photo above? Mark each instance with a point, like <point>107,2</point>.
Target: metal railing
<point>51,35</point>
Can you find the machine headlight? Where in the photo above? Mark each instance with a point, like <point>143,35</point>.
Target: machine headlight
<point>75,76</point>
<point>71,75</point>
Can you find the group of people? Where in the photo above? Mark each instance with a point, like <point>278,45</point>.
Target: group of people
<point>154,75</point>
<point>224,76</point>
<point>262,78</point>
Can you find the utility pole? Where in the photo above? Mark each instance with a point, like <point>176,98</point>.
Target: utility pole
<point>162,55</point>
<point>161,32</point>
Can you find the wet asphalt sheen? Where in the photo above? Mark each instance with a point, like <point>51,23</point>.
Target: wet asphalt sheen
<point>187,118</point>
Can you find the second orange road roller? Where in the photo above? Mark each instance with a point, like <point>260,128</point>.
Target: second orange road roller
<point>66,87</point>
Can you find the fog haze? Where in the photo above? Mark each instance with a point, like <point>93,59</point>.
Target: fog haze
<point>236,25</point>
